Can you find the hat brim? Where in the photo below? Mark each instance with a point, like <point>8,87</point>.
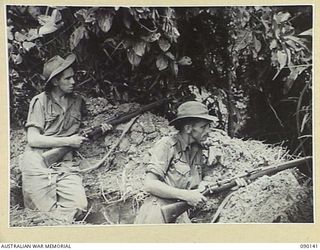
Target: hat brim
<point>205,117</point>
<point>67,63</point>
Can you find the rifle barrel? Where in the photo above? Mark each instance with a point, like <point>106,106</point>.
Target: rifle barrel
<point>171,211</point>
<point>126,117</point>
<point>56,154</point>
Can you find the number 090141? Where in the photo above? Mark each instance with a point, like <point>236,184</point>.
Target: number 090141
<point>308,246</point>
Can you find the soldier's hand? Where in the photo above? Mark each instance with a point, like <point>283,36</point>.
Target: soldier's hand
<point>75,141</point>
<point>203,185</point>
<point>106,127</point>
<point>195,198</point>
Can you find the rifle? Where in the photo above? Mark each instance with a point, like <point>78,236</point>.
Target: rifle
<point>172,211</point>
<point>56,154</point>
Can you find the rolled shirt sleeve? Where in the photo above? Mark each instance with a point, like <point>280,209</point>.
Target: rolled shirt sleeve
<point>160,157</point>
<point>36,116</point>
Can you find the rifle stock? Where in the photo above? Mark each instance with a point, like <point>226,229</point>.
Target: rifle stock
<point>172,211</point>
<point>56,154</point>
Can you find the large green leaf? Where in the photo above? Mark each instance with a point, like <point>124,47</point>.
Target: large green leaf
<point>105,21</point>
<point>139,47</point>
<point>174,34</point>
<point>164,44</point>
<point>77,35</point>
<point>293,45</point>
<point>273,44</point>
<point>282,59</point>
<point>281,17</point>
<point>28,45</point>
<point>17,59</point>
<point>162,62</point>
<point>298,41</point>
<point>174,68</point>
<point>56,16</point>
<point>34,11</point>
<point>185,60</point>
<point>91,15</point>
<point>296,70</point>
<point>9,33</point>
<point>170,55</point>
<point>48,28</point>
<point>50,23</point>
<point>257,44</point>
<point>133,58</point>
<point>20,37</point>
<point>81,15</point>
<point>32,35</point>
<point>43,19</point>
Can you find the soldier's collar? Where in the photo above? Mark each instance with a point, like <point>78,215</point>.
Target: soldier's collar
<point>184,146</point>
<point>182,142</point>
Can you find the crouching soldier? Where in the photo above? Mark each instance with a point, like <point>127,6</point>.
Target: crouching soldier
<point>53,121</point>
<point>174,171</point>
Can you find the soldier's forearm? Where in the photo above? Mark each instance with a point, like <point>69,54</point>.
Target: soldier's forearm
<point>161,189</point>
<point>35,139</point>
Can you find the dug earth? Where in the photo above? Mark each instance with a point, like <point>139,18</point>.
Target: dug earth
<point>115,190</point>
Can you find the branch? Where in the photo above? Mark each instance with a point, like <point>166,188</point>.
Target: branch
<point>97,165</point>
<point>56,37</point>
<point>116,48</point>
<point>275,112</point>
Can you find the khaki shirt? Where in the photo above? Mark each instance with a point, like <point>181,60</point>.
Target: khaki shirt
<point>51,119</point>
<point>176,163</point>
<point>56,187</point>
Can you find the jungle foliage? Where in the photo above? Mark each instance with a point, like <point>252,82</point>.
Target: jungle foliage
<point>254,63</point>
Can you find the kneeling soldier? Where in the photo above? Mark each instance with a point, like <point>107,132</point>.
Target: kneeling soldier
<point>174,171</point>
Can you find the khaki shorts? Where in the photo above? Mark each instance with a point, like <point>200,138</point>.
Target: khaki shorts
<point>51,189</point>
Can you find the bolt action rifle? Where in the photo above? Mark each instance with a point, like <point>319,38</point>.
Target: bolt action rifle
<point>55,155</point>
<point>171,212</point>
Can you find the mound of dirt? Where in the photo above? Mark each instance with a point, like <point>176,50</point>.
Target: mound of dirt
<point>269,199</point>
<point>123,173</point>
<point>277,194</point>
<point>115,190</point>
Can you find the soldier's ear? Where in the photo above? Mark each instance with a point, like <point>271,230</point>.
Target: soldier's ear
<point>54,81</point>
<point>188,128</point>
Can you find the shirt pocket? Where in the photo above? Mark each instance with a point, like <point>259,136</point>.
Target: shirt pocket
<point>179,175</point>
<point>181,168</point>
<point>73,120</point>
<point>51,119</point>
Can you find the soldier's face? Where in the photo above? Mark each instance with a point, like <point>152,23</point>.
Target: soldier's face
<point>65,81</point>
<point>200,131</point>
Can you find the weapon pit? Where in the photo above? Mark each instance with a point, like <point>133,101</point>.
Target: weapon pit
<point>115,194</point>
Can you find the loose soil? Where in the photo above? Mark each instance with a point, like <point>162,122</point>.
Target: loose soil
<point>115,190</point>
